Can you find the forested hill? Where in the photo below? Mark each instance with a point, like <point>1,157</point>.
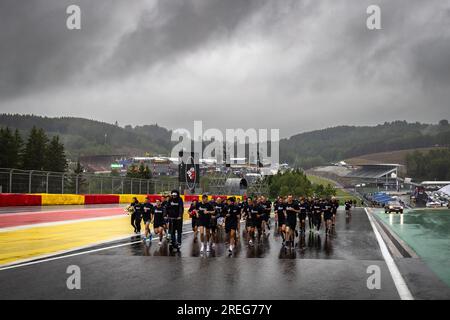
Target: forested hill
<point>83,137</point>
<point>322,146</point>
<point>306,150</point>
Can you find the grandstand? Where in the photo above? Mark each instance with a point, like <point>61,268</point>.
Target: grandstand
<point>375,171</point>
<point>434,185</point>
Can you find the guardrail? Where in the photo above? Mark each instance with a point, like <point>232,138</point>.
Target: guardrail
<point>35,181</point>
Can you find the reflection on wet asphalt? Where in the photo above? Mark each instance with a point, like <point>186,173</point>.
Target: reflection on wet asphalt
<point>351,239</point>
<point>318,268</point>
<point>427,232</point>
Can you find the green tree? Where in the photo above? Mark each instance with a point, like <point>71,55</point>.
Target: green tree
<point>329,190</point>
<point>76,180</point>
<point>443,123</point>
<point>34,155</point>
<point>432,165</point>
<point>132,171</point>
<point>10,148</point>
<point>18,149</point>
<point>144,172</point>
<point>55,157</point>
<point>139,172</point>
<point>292,182</point>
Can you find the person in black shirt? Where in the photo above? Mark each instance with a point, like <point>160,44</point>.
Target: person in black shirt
<point>280,212</point>
<point>218,206</point>
<point>241,205</point>
<point>136,216</point>
<point>266,206</point>
<point>259,217</point>
<point>252,215</point>
<point>147,212</point>
<point>194,218</point>
<point>292,209</point>
<point>232,213</point>
<point>131,209</point>
<point>335,205</point>
<point>205,210</point>
<point>348,206</point>
<point>309,213</point>
<point>164,204</point>
<point>327,215</point>
<point>302,215</point>
<point>158,219</point>
<point>175,210</point>
<point>317,214</point>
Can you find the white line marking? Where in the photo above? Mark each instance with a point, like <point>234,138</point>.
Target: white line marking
<point>399,282</point>
<point>77,254</point>
<point>52,254</point>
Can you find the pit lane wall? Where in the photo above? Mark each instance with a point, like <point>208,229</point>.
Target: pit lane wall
<point>45,199</point>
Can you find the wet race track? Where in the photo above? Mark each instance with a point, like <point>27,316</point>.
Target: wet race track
<point>318,268</point>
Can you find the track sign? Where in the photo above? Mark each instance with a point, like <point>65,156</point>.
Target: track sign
<point>189,169</point>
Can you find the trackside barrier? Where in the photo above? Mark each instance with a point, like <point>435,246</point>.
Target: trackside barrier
<point>128,198</point>
<point>46,199</point>
<point>19,199</point>
<point>61,199</point>
<point>101,198</point>
<point>191,197</point>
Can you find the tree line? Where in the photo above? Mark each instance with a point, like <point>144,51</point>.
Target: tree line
<point>84,137</point>
<point>37,152</point>
<point>321,147</point>
<point>296,183</point>
<point>432,165</point>
<point>139,172</point>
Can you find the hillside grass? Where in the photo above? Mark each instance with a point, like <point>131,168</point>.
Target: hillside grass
<point>341,194</point>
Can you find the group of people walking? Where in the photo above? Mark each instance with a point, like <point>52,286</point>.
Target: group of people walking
<point>166,216</point>
<point>209,218</point>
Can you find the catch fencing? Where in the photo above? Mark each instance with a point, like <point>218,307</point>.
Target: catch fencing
<point>35,181</point>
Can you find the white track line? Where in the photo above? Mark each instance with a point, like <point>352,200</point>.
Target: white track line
<point>399,282</point>
<point>53,254</point>
<point>77,254</point>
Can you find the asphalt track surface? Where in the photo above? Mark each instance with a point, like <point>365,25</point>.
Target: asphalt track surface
<point>319,268</point>
<point>18,217</point>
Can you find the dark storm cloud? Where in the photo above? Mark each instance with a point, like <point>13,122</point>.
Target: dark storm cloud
<point>37,50</point>
<point>179,27</point>
<point>313,60</point>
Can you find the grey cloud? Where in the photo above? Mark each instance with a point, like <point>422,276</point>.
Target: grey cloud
<point>312,60</point>
<point>38,51</point>
<point>179,27</point>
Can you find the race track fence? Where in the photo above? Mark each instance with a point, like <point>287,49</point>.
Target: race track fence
<point>35,181</point>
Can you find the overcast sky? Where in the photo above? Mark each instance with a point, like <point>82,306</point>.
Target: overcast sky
<point>293,65</point>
